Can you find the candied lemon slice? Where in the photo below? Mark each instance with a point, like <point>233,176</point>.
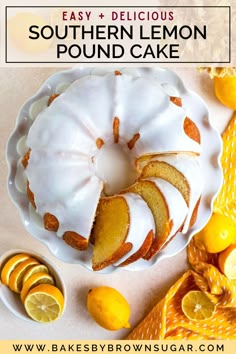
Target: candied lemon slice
<point>44,303</point>
<point>10,265</point>
<point>227,262</point>
<point>16,277</point>
<point>197,306</point>
<point>33,280</point>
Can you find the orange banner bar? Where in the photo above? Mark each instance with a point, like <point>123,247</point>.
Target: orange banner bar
<point>105,347</point>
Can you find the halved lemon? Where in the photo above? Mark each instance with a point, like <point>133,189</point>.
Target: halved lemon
<point>197,306</point>
<point>227,262</point>
<point>35,279</point>
<point>16,277</point>
<point>44,303</point>
<point>37,268</point>
<point>10,265</point>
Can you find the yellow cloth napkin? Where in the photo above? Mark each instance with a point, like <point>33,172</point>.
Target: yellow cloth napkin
<point>225,202</point>
<point>167,320</point>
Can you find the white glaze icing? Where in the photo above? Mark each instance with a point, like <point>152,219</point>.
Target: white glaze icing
<point>62,152</point>
<point>91,103</point>
<point>141,223</point>
<point>176,204</point>
<point>166,133</point>
<point>65,186</point>
<point>49,131</point>
<point>190,167</point>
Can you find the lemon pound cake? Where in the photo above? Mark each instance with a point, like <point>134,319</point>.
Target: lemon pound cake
<point>184,173</point>
<point>123,232</point>
<point>168,207</point>
<point>112,164</point>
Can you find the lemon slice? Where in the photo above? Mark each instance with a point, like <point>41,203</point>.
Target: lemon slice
<point>10,265</point>
<point>38,268</point>
<point>35,279</point>
<point>227,262</point>
<point>197,306</point>
<point>16,277</point>
<point>44,303</point>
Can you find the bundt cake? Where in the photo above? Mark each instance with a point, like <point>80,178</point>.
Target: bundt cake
<point>112,163</point>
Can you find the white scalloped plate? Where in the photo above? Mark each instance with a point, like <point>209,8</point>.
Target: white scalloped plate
<point>195,108</point>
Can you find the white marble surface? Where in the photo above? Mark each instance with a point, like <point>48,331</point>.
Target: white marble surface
<point>141,289</point>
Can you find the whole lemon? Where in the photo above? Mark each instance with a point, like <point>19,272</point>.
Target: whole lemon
<point>225,90</point>
<point>108,308</point>
<point>217,235</point>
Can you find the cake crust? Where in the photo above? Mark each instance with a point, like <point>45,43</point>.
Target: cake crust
<point>75,240</point>
<point>50,222</point>
<point>25,158</point>
<point>190,127</point>
<point>143,250</point>
<point>30,195</point>
<point>121,252</point>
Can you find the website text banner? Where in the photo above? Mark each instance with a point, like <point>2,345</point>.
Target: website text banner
<point>130,35</point>
<point>105,347</point>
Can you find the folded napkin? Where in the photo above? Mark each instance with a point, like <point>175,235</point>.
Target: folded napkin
<point>167,320</point>
<point>225,202</point>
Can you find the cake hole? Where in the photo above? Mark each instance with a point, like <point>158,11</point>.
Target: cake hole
<point>114,165</point>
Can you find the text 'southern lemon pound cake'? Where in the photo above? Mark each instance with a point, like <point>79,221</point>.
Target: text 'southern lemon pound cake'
<point>114,161</point>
